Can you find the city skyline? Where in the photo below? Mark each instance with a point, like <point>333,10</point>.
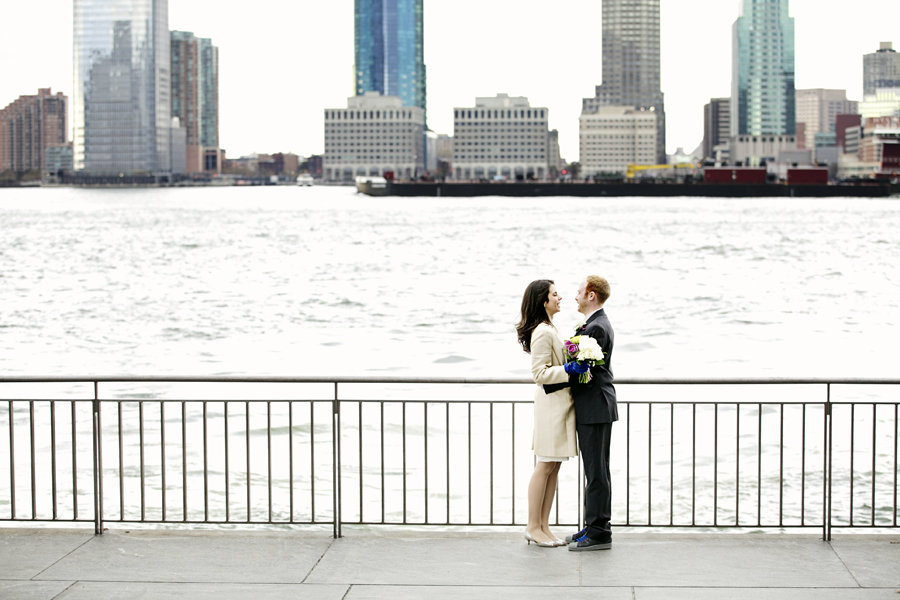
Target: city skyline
<point>302,56</point>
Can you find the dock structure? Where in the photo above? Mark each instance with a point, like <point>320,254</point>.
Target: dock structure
<point>70,564</point>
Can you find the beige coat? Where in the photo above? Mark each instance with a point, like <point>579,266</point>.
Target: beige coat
<point>554,414</point>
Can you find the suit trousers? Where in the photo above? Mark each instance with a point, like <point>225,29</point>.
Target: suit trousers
<point>594,439</point>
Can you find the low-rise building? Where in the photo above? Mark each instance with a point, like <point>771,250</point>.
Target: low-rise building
<point>501,137</point>
<point>613,137</point>
<point>374,135</point>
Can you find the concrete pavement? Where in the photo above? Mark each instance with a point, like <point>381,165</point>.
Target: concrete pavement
<point>68,564</point>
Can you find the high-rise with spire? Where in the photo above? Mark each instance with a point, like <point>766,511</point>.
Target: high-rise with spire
<point>389,49</point>
<point>121,97</point>
<point>631,63</point>
<point>763,99</point>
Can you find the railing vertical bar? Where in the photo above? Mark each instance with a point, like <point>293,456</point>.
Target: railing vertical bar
<point>803,466</point>
<point>184,469</point>
<point>694,464</point>
<point>247,450</point>
<point>225,443</point>
<point>34,458</point>
<point>896,429</point>
<point>829,462</point>
<point>269,454</point>
<point>425,437</point>
<point>360,463</point>
<point>403,449</point>
<point>162,454</point>
<point>671,463</point>
<point>716,466</point>
<point>512,469</point>
<point>383,491</point>
<point>469,458</point>
<point>12,461</point>
<point>312,460</point>
<point>121,464</point>
<point>759,422</point>
<point>360,423</point>
<point>491,458</point>
<point>649,464</point>
<point>852,456</point>
<point>781,466</point>
<point>74,463</point>
<point>291,459</point>
<point>627,467</point>
<point>206,460</point>
<point>141,445</point>
<point>447,453</point>
<point>53,456</point>
<point>737,466</point>
<point>874,444</point>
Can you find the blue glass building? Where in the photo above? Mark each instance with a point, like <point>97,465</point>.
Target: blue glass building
<point>389,49</point>
<point>763,98</point>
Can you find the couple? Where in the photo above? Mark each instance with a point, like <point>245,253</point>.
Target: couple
<point>563,406</point>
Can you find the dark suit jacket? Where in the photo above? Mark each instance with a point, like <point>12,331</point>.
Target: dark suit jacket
<point>595,401</point>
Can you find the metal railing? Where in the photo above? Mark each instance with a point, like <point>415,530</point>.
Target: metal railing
<point>699,453</point>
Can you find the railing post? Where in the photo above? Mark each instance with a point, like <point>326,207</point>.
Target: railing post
<point>98,463</point>
<point>336,457</point>
<point>826,471</point>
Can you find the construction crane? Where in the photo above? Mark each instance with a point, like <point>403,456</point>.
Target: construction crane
<point>631,170</point>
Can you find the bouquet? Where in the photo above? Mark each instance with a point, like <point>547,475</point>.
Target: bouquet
<point>584,349</point>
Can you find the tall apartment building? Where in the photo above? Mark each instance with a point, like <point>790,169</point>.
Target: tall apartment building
<point>631,63</point>
<point>195,99</point>
<point>881,69</point>
<point>615,136</point>
<point>500,136</point>
<point>716,126</point>
<point>762,88</point>
<point>818,109</point>
<point>30,125</point>
<point>375,134</point>
<point>389,49</point>
<point>121,97</point>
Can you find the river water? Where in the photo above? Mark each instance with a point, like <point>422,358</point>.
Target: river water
<point>321,281</point>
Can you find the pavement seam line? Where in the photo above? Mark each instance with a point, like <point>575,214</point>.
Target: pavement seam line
<point>840,558</point>
<point>66,555</point>
<point>68,587</point>
<point>349,587</point>
<point>313,568</point>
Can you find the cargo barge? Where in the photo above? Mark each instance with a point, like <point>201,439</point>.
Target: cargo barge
<point>374,187</point>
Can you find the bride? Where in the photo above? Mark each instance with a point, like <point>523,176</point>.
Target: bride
<point>554,412</point>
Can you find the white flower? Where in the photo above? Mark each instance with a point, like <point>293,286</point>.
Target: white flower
<point>589,349</point>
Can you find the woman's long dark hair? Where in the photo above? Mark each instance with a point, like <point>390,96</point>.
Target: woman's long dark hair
<point>533,311</point>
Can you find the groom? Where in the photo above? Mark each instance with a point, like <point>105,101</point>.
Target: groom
<point>595,411</point>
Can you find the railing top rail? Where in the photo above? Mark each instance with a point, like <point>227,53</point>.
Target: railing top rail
<point>438,380</point>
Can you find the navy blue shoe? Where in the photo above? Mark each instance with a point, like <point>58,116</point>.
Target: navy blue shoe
<point>575,536</point>
<point>584,544</point>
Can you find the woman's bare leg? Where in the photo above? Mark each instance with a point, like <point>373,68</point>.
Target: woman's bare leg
<point>547,503</point>
<point>537,490</point>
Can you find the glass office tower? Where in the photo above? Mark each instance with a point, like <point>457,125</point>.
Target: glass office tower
<point>763,100</point>
<point>631,62</point>
<point>389,49</point>
<point>121,97</point>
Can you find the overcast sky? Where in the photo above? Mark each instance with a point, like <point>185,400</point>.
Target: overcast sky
<point>283,62</point>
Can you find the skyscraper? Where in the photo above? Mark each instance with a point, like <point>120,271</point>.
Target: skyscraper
<point>881,69</point>
<point>121,96</point>
<point>389,49</point>
<point>762,85</point>
<point>28,127</point>
<point>195,97</point>
<point>631,62</point>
